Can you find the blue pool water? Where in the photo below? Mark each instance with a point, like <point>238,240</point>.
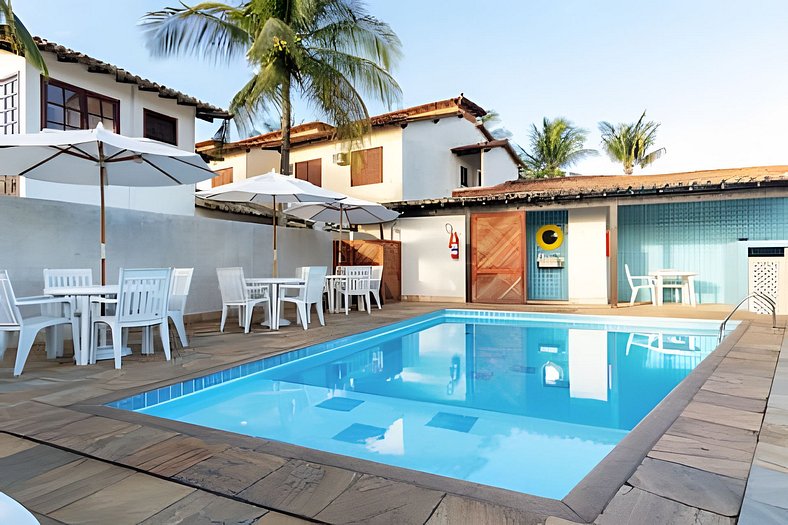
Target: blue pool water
<point>527,402</point>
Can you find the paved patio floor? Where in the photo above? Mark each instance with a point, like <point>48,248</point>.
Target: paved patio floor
<point>71,461</point>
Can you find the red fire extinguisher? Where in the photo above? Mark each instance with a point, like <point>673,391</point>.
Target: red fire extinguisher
<point>454,242</point>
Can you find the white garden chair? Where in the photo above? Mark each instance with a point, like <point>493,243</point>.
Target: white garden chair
<point>356,283</point>
<point>375,283</point>
<point>179,291</point>
<point>142,301</point>
<point>649,285</point>
<point>236,293</point>
<point>310,293</point>
<point>11,320</point>
<point>68,278</point>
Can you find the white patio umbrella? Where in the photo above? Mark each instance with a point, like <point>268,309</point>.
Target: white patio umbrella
<point>271,189</point>
<point>99,157</point>
<point>348,211</point>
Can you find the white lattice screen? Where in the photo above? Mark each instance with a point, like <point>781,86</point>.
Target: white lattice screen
<point>764,278</point>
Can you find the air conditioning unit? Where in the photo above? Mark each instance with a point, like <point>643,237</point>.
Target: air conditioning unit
<point>341,159</point>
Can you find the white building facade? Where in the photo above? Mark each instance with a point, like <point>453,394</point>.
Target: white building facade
<point>80,92</point>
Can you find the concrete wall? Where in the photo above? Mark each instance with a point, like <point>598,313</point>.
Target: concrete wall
<point>40,234</point>
<point>174,200</point>
<point>586,253</point>
<point>428,271</point>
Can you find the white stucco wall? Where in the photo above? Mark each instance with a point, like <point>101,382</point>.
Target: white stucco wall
<point>587,261</point>
<point>173,200</point>
<point>337,178</point>
<point>430,169</point>
<point>428,271</point>
<point>497,167</point>
<point>48,234</point>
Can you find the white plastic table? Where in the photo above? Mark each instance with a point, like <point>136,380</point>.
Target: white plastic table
<point>273,283</point>
<point>332,281</point>
<point>83,295</point>
<point>686,278</point>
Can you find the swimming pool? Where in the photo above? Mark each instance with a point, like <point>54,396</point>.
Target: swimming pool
<point>520,401</point>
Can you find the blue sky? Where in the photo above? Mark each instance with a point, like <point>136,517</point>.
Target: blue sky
<point>714,73</point>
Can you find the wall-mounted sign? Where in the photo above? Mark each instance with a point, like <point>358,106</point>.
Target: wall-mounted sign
<point>549,237</point>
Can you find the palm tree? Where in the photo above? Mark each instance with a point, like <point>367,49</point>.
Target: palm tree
<point>15,37</point>
<point>629,143</point>
<point>557,145</point>
<point>327,52</point>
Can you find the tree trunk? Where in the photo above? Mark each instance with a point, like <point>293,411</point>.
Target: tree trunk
<point>284,163</point>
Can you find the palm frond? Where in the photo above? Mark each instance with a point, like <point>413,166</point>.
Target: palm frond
<point>209,29</point>
<point>19,39</point>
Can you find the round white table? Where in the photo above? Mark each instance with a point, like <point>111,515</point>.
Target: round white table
<point>273,294</point>
<point>687,283</point>
<point>332,281</point>
<point>83,295</point>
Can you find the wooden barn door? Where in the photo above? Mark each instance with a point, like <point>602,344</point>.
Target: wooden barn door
<point>498,257</point>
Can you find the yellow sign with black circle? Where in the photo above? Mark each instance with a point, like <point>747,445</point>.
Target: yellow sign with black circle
<point>549,237</point>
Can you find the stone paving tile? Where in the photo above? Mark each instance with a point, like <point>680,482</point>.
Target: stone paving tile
<point>43,519</point>
<point>773,457</point>
<point>85,430</point>
<point>724,400</point>
<point>632,506</point>
<point>714,433</point>
<point>129,501</point>
<point>203,508</point>
<point>373,500</point>
<point>231,470</point>
<point>18,468</point>
<point>10,445</point>
<point>125,442</point>
<point>454,510</point>
<point>300,488</point>
<point>277,518</point>
<point>172,456</point>
<point>726,416</point>
<point>734,386</point>
<point>703,455</point>
<point>768,486</point>
<point>751,371</point>
<point>697,488</point>
<point>32,417</point>
<point>69,396</point>
<point>757,513</point>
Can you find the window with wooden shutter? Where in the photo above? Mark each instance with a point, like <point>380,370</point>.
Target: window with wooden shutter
<point>366,167</point>
<point>223,176</point>
<point>159,127</point>
<point>9,185</point>
<point>310,171</point>
<point>69,107</point>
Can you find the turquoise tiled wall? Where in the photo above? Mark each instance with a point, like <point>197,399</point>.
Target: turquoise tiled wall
<point>702,237</point>
<point>550,284</point>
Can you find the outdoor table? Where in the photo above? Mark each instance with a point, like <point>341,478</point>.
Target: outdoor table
<point>686,278</point>
<point>332,282</point>
<point>273,283</point>
<point>83,295</point>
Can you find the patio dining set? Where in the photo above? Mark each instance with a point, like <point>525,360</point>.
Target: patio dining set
<point>682,283</point>
<point>147,298</point>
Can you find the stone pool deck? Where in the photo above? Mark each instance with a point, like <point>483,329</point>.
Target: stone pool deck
<point>70,460</point>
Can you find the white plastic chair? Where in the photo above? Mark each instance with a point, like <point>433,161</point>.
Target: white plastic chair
<point>11,320</point>
<point>235,292</point>
<point>375,282</point>
<point>636,288</point>
<point>179,291</point>
<point>142,301</point>
<point>357,283</point>
<point>310,293</point>
<point>68,278</point>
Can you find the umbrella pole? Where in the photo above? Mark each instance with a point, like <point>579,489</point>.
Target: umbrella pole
<point>339,254</point>
<point>276,262</point>
<point>103,240</point>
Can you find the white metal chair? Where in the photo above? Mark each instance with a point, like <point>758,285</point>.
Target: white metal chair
<point>310,293</point>
<point>235,292</point>
<point>11,320</point>
<point>375,283</point>
<point>68,278</point>
<point>636,288</point>
<point>357,284</point>
<point>142,301</point>
<point>179,291</point>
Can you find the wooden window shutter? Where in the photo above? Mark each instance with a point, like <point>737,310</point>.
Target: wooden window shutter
<point>366,167</point>
<point>9,185</point>
<point>223,176</point>
<point>310,171</point>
